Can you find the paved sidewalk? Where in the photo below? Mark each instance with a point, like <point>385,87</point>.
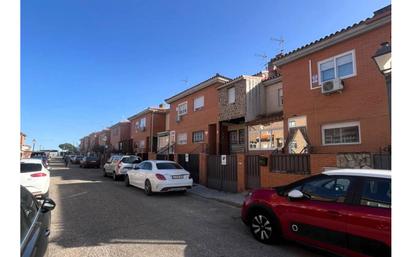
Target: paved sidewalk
<point>235,199</point>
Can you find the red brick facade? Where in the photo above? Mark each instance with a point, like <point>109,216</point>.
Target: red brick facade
<point>119,132</point>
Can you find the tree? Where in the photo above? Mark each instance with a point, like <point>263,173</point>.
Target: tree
<point>69,147</point>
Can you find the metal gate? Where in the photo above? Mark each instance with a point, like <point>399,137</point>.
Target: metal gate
<point>382,161</point>
<point>222,177</point>
<point>252,171</point>
<point>191,165</point>
<point>163,157</point>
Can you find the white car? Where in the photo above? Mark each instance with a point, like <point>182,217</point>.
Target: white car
<point>159,176</point>
<point>118,165</point>
<point>35,177</point>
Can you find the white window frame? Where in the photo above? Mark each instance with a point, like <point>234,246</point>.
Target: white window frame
<point>178,138</point>
<point>333,58</point>
<point>234,95</point>
<point>341,125</point>
<point>202,133</point>
<point>142,120</point>
<point>280,98</point>
<point>197,108</point>
<point>178,108</point>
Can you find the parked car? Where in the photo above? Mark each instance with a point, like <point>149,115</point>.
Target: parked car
<point>34,224</point>
<point>159,176</point>
<point>72,158</point>
<point>35,177</point>
<point>342,211</point>
<point>43,158</point>
<point>117,166</point>
<point>76,159</point>
<point>90,161</point>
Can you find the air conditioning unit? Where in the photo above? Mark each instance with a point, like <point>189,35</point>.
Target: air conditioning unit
<point>331,86</point>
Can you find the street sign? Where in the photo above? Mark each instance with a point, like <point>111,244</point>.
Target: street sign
<point>223,160</point>
<point>186,157</point>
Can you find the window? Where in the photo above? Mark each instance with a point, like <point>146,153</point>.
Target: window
<point>376,193</point>
<point>292,124</point>
<point>231,93</point>
<point>28,211</point>
<point>329,189</point>
<point>340,66</point>
<point>182,138</point>
<point>142,123</point>
<point>182,109</point>
<point>168,166</point>
<point>280,95</point>
<point>241,136</point>
<point>145,166</point>
<point>30,167</point>
<point>198,103</point>
<point>233,137</point>
<point>341,133</point>
<point>198,136</point>
<point>265,137</point>
<point>142,143</point>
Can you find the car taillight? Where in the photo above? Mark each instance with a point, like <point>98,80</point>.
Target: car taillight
<point>39,174</point>
<point>160,177</point>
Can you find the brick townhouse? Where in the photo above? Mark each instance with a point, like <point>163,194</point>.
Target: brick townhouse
<point>335,98</point>
<point>104,138</point>
<point>120,140</point>
<point>194,125</point>
<point>144,127</point>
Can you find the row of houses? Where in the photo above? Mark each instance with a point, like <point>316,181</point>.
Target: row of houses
<point>327,100</point>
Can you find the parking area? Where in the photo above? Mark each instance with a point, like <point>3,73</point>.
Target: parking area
<point>96,216</point>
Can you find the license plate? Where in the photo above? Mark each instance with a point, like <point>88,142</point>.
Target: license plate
<point>177,177</point>
<point>177,189</point>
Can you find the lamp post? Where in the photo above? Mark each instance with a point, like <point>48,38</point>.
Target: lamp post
<point>383,59</point>
<point>34,143</point>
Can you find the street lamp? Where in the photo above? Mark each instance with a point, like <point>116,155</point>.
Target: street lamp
<point>383,59</point>
<point>34,143</point>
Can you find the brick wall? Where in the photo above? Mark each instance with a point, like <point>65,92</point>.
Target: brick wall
<point>363,99</point>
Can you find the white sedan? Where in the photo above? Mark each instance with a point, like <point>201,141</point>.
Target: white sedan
<point>159,176</point>
<point>34,176</point>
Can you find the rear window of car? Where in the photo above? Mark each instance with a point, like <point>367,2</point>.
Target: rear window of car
<point>130,159</point>
<point>30,167</point>
<point>168,166</point>
<point>91,158</point>
<point>376,193</point>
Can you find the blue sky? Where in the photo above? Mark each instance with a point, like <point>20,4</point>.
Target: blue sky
<point>85,65</point>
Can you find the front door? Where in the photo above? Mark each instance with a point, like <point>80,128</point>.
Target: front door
<point>320,218</point>
<point>212,138</point>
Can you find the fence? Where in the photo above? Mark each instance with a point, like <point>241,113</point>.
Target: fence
<point>191,164</point>
<point>382,161</point>
<point>169,157</point>
<point>290,163</point>
<point>252,171</point>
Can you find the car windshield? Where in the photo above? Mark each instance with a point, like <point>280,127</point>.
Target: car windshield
<point>130,159</point>
<point>168,166</point>
<point>30,167</point>
<point>91,158</point>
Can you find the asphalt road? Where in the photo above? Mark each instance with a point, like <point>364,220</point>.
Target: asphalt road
<point>97,216</point>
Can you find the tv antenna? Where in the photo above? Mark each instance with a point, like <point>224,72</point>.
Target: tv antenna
<point>281,43</point>
<point>185,81</point>
<point>265,59</point>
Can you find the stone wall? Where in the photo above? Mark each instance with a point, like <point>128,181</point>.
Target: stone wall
<point>354,160</point>
<point>238,108</point>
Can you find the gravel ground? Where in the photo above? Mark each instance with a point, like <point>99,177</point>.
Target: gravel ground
<point>96,216</point>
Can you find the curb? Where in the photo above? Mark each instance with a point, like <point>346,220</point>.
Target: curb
<point>217,199</point>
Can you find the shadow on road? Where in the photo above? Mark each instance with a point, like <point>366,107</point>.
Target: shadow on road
<point>97,211</point>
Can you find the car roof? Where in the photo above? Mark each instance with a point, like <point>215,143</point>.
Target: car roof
<point>360,173</point>
<point>161,161</point>
<point>31,160</point>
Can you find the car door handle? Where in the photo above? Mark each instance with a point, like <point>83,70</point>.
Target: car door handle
<point>334,213</point>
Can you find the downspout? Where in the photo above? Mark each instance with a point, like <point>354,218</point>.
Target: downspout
<point>151,133</point>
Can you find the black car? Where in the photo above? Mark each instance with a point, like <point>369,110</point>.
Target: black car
<point>90,161</point>
<point>77,159</point>
<point>34,224</point>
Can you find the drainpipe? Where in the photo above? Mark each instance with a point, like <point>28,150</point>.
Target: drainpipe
<point>151,134</point>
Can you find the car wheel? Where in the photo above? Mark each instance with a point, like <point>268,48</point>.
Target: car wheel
<point>147,187</point>
<point>264,227</point>
<point>126,181</point>
<point>104,173</point>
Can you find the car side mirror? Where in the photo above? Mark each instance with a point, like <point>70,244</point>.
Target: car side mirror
<point>48,205</point>
<point>295,194</point>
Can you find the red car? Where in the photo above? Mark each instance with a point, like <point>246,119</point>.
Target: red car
<point>346,212</point>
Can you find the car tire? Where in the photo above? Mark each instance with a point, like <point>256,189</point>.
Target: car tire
<point>104,173</point>
<point>148,187</point>
<point>126,181</point>
<point>264,227</point>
